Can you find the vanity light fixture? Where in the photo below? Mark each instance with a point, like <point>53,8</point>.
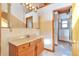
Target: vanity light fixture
<point>26,3</point>
<point>33,7</point>
<point>56,12</point>
<point>30,7</point>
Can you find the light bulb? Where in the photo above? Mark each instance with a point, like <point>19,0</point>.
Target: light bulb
<point>27,3</point>
<point>30,5</point>
<point>30,8</point>
<point>56,12</point>
<point>33,7</point>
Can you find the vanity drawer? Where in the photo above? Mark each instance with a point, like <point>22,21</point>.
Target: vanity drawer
<point>29,52</point>
<point>23,47</point>
<point>33,43</point>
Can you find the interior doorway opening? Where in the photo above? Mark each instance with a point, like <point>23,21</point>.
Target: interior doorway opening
<point>62,30</point>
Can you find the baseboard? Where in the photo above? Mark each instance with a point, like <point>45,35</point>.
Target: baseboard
<point>64,41</point>
<point>49,50</point>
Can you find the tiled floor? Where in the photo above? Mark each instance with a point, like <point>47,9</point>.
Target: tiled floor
<point>63,49</point>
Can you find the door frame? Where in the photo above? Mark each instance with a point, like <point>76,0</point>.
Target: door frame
<point>0,28</point>
<point>53,47</point>
<point>52,50</point>
<point>58,10</point>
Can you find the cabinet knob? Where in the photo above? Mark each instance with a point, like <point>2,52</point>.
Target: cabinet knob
<point>23,47</point>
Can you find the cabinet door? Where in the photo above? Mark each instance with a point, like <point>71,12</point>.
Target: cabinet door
<point>31,51</point>
<point>40,47</point>
<point>28,52</point>
<point>25,50</point>
<point>23,47</point>
<point>13,51</point>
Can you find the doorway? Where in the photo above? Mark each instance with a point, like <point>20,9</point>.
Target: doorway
<point>62,30</point>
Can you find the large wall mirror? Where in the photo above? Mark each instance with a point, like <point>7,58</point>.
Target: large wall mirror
<point>29,22</point>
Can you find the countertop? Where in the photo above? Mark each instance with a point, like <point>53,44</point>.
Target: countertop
<point>23,40</point>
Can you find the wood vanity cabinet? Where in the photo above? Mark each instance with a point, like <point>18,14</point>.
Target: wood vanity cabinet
<point>39,46</point>
<point>22,50</point>
<point>33,48</point>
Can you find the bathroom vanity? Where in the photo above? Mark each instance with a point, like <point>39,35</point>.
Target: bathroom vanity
<point>27,46</point>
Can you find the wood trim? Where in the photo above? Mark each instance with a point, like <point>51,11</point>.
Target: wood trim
<point>49,50</point>
<point>59,10</point>
<point>0,27</point>
<point>63,41</point>
<point>44,4</point>
<point>28,17</point>
<point>53,34</point>
<point>63,9</point>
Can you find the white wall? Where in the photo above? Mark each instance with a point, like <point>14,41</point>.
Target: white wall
<point>17,10</point>
<point>46,15</point>
<point>4,8</point>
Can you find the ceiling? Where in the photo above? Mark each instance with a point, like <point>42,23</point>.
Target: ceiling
<point>34,6</point>
<point>39,5</point>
